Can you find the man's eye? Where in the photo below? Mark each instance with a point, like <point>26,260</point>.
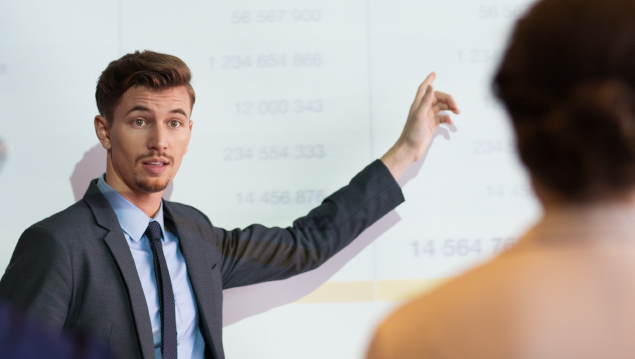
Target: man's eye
<point>175,123</point>
<point>139,122</point>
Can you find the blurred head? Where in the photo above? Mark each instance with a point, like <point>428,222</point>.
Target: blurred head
<point>145,101</point>
<point>567,80</point>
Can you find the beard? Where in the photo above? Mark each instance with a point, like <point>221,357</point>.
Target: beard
<point>151,185</point>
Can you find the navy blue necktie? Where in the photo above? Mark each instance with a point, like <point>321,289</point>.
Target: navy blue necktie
<point>166,296</point>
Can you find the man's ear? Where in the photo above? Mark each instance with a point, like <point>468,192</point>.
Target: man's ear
<point>102,129</point>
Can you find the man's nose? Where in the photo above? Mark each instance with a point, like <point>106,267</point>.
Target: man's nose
<point>158,140</point>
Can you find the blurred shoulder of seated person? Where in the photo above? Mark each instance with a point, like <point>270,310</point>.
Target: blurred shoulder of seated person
<point>567,289</point>
<point>23,338</point>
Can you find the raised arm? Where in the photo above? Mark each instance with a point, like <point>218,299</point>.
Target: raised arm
<point>257,253</point>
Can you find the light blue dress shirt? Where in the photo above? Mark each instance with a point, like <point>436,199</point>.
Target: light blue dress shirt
<point>134,223</point>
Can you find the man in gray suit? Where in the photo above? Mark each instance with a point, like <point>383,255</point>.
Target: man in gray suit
<point>146,274</point>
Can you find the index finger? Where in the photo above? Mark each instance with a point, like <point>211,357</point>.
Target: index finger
<point>423,88</point>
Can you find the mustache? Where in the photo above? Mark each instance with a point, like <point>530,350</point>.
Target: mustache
<point>141,158</point>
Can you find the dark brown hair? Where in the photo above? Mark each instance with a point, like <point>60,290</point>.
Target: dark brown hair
<point>568,81</point>
<point>149,69</point>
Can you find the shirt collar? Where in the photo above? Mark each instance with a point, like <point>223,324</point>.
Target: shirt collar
<point>131,218</point>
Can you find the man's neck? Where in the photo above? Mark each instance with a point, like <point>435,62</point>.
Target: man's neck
<point>149,203</point>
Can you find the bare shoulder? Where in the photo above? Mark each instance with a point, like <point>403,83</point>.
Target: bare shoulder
<point>465,310</point>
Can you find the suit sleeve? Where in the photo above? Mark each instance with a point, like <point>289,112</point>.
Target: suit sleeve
<point>257,254</point>
<point>38,280</point>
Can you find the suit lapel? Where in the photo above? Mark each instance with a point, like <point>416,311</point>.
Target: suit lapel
<point>116,242</point>
<point>207,291</point>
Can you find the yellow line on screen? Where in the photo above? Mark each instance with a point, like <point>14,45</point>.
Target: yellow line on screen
<point>370,291</point>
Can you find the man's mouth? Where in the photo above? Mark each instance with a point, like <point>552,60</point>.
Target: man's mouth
<point>156,161</point>
<point>155,165</point>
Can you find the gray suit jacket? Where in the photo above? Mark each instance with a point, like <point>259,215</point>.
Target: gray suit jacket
<point>74,270</point>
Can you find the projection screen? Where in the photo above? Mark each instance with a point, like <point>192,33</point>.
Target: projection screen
<point>293,99</point>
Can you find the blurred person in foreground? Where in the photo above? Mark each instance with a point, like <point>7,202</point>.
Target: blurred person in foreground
<point>5,151</point>
<point>567,289</point>
<point>23,338</point>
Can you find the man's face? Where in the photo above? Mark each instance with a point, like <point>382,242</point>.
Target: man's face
<point>148,137</point>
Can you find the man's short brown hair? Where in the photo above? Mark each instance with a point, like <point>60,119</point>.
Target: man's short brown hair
<point>149,69</point>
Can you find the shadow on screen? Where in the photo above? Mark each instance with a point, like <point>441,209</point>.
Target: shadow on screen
<point>93,165</point>
<point>243,302</point>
